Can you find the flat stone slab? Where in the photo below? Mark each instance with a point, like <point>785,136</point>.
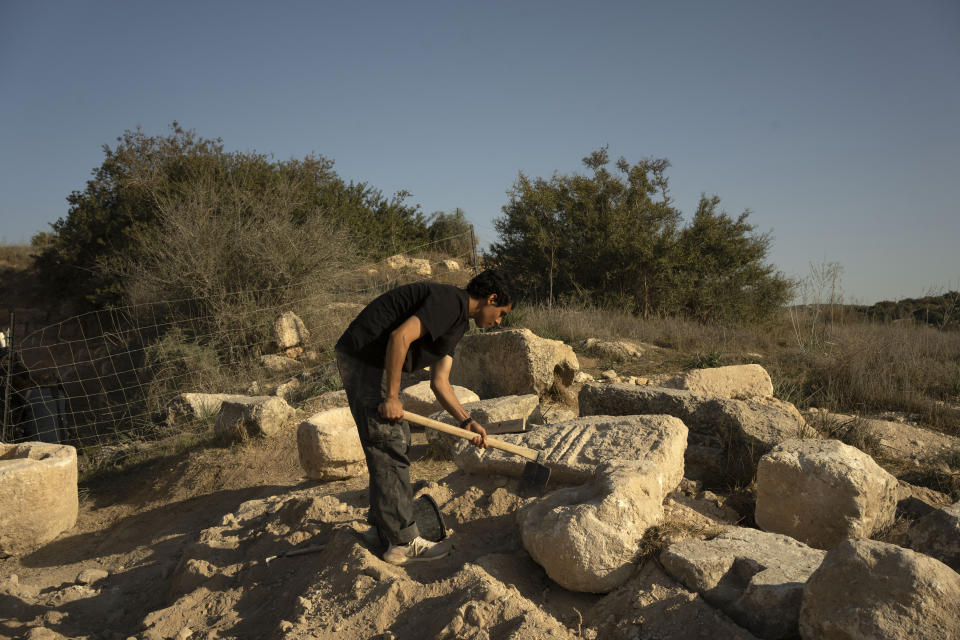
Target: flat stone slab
<point>498,416</point>
<point>573,450</point>
<point>38,495</point>
<point>756,578</point>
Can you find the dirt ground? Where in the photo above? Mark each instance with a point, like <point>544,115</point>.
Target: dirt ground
<point>178,549</point>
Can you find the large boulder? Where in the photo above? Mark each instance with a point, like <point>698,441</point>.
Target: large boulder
<point>756,578</point>
<point>867,589</point>
<point>329,446</point>
<point>419,398</point>
<point>289,331</point>
<point>574,449</point>
<point>937,534</point>
<point>823,492</point>
<point>740,381</point>
<point>513,362</point>
<point>508,414</point>
<point>727,436</point>
<point>587,538</point>
<point>251,416</point>
<point>39,499</point>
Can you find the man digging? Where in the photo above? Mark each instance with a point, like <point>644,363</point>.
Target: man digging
<point>408,328</point>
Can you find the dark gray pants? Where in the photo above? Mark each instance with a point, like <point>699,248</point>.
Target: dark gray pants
<point>385,446</point>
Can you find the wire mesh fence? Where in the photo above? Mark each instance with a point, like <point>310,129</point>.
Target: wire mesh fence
<point>112,383</point>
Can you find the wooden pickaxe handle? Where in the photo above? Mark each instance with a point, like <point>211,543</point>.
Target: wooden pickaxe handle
<point>529,454</point>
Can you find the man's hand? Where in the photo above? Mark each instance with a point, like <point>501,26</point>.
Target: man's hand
<point>391,409</point>
<point>481,439</point>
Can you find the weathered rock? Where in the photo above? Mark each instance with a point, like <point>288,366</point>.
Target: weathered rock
<point>756,578</point>
<point>822,492</point>
<point>587,537</point>
<point>89,576</point>
<point>735,433</point>
<point>39,499</point>
<point>654,606</point>
<point>553,413</point>
<point>614,349</point>
<point>203,405</point>
<point>254,416</point>
<point>329,446</point>
<point>867,589</point>
<point>289,331</point>
<point>513,362</point>
<point>400,262</point>
<point>420,398</point>
<point>937,534</point>
<point>448,265</point>
<point>737,381</point>
<point>498,415</point>
<point>278,363</point>
<point>573,449</point>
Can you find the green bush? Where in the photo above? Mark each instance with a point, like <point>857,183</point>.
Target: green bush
<point>184,188</point>
<point>616,240</point>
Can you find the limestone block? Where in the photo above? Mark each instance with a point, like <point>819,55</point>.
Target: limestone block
<point>738,431</point>
<point>823,492</point>
<point>869,589</point>
<point>756,578</point>
<point>253,416</point>
<point>508,414</point>
<point>574,449</point>
<point>513,362</point>
<point>329,446</point>
<point>39,497</point>
<point>937,534</point>
<point>738,381</point>
<point>290,331</point>
<point>587,537</point>
<point>204,405</point>
<point>420,398</point>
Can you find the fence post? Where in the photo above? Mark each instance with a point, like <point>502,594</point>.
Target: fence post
<point>6,386</point>
<point>473,243</point>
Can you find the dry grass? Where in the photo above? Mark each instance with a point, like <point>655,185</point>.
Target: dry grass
<point>831,361</point>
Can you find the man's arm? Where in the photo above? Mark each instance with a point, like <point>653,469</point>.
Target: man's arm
<point>397,346</point>
<point>440,384</point>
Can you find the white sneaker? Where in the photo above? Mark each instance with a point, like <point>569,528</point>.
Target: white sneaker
<point>417,550</point>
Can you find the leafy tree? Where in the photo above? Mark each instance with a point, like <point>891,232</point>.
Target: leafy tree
<point>90,251</point>
<point>598,237</point>
<point>451,233</point>
<point>721,273</point>
<point>615,239</point>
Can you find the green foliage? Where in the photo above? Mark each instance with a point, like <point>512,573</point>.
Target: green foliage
<point>942,311</point>
<point>614,239</point>
<point>144,180</point>
<point>451,233</point>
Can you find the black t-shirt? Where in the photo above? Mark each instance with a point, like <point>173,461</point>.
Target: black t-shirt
<point>441,308</point>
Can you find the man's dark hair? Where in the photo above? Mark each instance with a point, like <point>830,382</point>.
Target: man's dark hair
<point>491,282</point>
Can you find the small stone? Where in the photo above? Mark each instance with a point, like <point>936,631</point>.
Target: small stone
<point>306,604</point>
<point>185,633</point>
<point>609,374</point>
<point>286,625</point>
<point>473,616</point>
<point>89,576</point>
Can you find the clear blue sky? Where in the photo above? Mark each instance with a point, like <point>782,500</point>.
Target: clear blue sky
<point>836,123</point>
